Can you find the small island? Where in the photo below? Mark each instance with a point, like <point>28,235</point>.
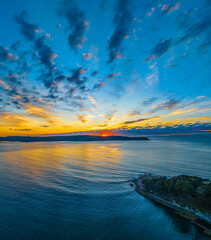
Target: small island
<point>188,196</point>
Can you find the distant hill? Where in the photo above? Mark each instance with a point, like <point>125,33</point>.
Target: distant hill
<point>69,138</point>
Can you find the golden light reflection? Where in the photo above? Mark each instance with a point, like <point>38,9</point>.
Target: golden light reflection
<point>37,160</point>
<point>34,159</point>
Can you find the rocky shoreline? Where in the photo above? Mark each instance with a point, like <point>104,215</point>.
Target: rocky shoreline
<point>201,219</point>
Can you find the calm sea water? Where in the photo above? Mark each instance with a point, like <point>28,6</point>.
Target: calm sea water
<point>81,190</point>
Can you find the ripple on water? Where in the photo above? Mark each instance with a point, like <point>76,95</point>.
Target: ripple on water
<point>82,190</point>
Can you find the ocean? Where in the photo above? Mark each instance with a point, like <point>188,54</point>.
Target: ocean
<point>82,190</point>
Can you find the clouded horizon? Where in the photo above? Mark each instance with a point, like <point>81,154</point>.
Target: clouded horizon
<point>126,67</point>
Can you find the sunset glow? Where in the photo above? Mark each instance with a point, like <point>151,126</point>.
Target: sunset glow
<point>104,133</point>
<point>66,74</point>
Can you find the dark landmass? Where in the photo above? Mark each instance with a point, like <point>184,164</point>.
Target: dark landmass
<point>69,138</point>
<point>188,196</point>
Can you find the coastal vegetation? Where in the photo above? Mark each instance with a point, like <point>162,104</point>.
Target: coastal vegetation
<point>190,196</point>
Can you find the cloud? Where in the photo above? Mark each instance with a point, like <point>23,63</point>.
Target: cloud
<point>149,101</point>
<point>159,129</point>
<point>160,49</point>
<point>48,35</point>
<point>134,113</point>
<point>92,100</point>
<point>113,74</point>
<point>170,104</point>
<point>94,73</point>
<point>21,129</point>
<point>47,75</point>
<point>15,45</point>
<point>140,120</point>
<point>173,62</point>
<point>77,22</point>
<point>3,67</point>
<point>99,85</point>
<point>21,80</point>
<point>39,112</point>
<point>150,57</point>
<point>82,118</point>
<point>4,84</point>
<point>184,19</point>
<point>195,26</point>
<point>45,53</point>
<point>6,56</point>
<point>87,56</point>
<point>153,76</point>
<point>76,78</point>
<point>196,29</point>
<point>12,76</point>
<point>182,111</point>
<point>176,128</point>
<point>149,14</point>
<point>17,120</point>
<point>27,29</point>
<point>53,56</point>
<point>167,9</point>
<point>114,54</point>
<point>122,21</point>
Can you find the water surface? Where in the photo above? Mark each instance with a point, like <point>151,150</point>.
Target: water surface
<point>79,190</point>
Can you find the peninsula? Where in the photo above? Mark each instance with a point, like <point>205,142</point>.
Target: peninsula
<point>69,138</point>
<point>188,196</point>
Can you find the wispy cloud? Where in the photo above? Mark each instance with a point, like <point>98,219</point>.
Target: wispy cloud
<point>39,112</point>
<point>140,120</point>
<point>77,23</point>
<point>195,26</point>
<point>160,49</point>
<point>182,111</point>
<point>167,9</point>
<point>92,100</point>
<point>6,56</point>
<point>122,21</point>
<point>26,28</point>
<point>170,104</point>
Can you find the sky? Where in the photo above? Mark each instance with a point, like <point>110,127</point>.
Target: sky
<point>117,67</point>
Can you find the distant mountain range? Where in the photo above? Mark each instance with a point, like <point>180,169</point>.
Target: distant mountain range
<point>69,138</point>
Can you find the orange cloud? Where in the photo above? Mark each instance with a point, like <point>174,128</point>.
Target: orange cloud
<point>92,100</point>
<point>11,57</point>
<point>39,112</point>
<point>181,111</point>
<point>4,84</point>
<point>53,55</point>
<point>83,71</point>
<point>82,118</point>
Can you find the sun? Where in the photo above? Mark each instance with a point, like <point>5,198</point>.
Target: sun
<point>105,133</point>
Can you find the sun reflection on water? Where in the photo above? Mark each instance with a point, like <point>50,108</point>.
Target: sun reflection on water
<point>42,158</point>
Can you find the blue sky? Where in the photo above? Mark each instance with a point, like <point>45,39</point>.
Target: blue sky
<point>133,67</point>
